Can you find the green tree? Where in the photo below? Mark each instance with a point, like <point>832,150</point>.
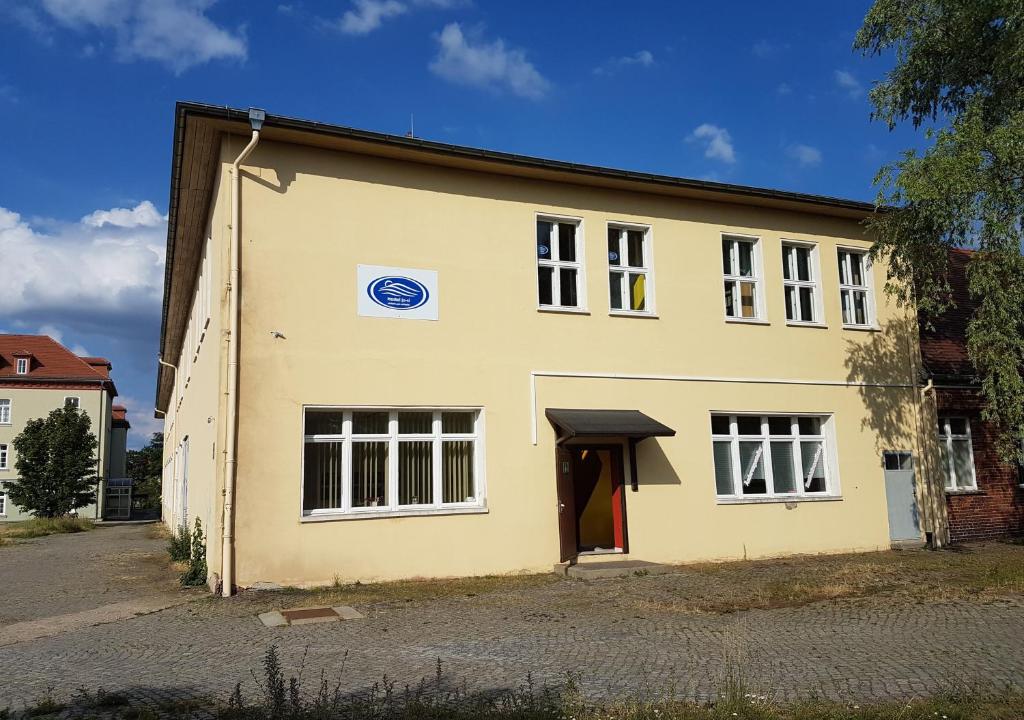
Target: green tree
<point>959,72</point>
<point>56,464</point>
<point>145,468</point>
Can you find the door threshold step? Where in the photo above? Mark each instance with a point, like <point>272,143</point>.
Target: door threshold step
<point>611,569</point>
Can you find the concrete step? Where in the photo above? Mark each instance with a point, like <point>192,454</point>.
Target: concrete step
<point>611,569</point>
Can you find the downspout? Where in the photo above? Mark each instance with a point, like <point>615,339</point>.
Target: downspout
<point>256,118</point>
<point>174,427</point>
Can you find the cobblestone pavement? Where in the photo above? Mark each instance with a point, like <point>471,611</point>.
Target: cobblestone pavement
<point>849,650</point>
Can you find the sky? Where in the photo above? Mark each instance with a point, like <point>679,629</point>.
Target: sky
<point>755,93</point>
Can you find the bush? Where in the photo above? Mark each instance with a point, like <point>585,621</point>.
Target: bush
<point>195,574</point>
<point>41,527</point>
<point>180,545</point>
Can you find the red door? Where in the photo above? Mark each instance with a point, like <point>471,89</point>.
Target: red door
<point>568,542</point>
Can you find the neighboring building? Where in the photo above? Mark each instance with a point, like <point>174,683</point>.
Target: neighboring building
<point>456,362</point>
<point>984,495</point>
<point>38,375</point>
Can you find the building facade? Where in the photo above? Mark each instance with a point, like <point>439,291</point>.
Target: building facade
<point>455,362</point>
<point>39,375</point>
<point>984,493</point>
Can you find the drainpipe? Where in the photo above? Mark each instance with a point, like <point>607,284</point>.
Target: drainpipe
<point>174,427</point>
<point>256,118</point>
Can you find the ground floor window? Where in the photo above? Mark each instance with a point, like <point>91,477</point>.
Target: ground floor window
<point>957,454</point>
<point>381,460</point>
<point>764,456</point>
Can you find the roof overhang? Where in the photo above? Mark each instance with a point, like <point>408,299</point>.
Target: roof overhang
<point>631,424</point>
<point>199,128</point>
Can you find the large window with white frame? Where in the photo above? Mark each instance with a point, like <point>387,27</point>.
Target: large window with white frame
<point>855,287</point>
<point>771,456</point>
<point>559,264</point>
<point>957,453</point>
<point>800,282</point>
<point>741,266</point>
<point>5,457</point>
<point>22,366</point>
<point>5,411</point>
<point>371,460</point>
<point>630,276</point>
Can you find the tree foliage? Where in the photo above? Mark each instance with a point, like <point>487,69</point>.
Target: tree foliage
<point>56,464</point>
<point>959,70</point>
<point>145,468</point>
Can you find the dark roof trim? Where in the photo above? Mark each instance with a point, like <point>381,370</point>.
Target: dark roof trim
<point>607,423</point>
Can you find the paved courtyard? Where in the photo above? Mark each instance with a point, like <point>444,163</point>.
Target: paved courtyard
<point>612,633</point>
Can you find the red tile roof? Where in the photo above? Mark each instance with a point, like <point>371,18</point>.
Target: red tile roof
<point>944,347</point>
<point>50,361</point>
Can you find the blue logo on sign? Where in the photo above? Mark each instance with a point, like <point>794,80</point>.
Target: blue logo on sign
<point>543,250</point>
<point>396,292</point>
<point>613,256</point>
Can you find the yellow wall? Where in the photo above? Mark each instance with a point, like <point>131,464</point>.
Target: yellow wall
<point>32,403</point>
<point>310,216</point>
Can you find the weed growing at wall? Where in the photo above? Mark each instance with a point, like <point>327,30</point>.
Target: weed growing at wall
<point>179,547</point>
<point>195,573</point>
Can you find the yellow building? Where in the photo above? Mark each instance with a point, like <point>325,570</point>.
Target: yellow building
<point>384,357</point>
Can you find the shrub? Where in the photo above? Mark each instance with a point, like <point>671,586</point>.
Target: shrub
<point>180,545</point>
<point>195,574</point>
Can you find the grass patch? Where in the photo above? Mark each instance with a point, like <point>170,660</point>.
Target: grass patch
<point>982,571</point>
<point>41,527</point>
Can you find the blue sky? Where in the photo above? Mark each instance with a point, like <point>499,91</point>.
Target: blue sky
<point>766,94</point>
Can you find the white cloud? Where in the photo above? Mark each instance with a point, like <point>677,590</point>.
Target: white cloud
<point>140,417</point>
<point>806,155</point>
<point>717,142</point>
<point>486,65</point>
<point>641,58</point>
<point>368,15</point>
<point>142,215</point>
<point>80,268</point>
<point>176,33</point>
<point>784,89</point>
<point>848,83</point>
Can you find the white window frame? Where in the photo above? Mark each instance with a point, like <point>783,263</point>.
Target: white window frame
<point>5,456</point>
<point>947,437</point>
<point>21,366</point>
<point>814,267</point>
<point>847,289</point>
<point>3,503</point>
<point>829,458</point>
<point>77,401</point>
<point>646,269</point>
<point>392,437</point>
<point>756,278</point>
<point>579,265</point>
<point>6,408</point>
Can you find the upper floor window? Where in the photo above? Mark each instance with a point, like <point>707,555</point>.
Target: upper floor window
<point>5,412</point>
<point>742,272</point>
<point>559,266</point>
<point>4,456</point>
<point>800,281</point>
<point>380,461</point>
<point>855,287</point>
<point>73,401</point>
<point>22,366</point>
<point>764,456</point>
<point>957,454</point>
<point>629,269</point>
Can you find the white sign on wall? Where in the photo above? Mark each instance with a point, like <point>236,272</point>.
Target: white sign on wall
<point>392,292</point>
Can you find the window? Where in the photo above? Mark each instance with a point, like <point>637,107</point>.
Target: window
<point>770,456</point>
<point>371,460</point>
<point>559,267</point>
<point>800,281</point>
<point>897,460</point>
<point>957,454</point>
<point>3,503</point>
<point>629,269</point>
<point>855,287</point>
<point>741,267</point>
<point>22,366</point>
<point>72,401</point>
<point>4,457</point>
<point>5,412</point>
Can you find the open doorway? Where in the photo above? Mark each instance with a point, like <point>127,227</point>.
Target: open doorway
<point>592,510</point>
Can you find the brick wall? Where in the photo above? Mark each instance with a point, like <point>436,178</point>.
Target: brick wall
<point>997,508</point>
